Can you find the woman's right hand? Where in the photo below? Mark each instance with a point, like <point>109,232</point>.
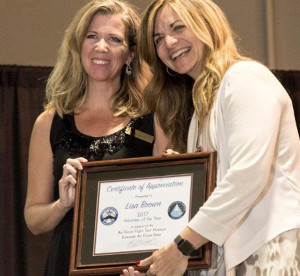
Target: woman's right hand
<point>68,181</point>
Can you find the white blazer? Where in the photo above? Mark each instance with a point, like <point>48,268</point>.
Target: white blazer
<point>252,127</point>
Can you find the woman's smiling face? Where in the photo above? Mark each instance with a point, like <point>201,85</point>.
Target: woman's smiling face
<point>176,45</point>
<point>105,48</point>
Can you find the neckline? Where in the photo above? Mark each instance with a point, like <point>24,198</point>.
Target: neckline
<point>74,127</point>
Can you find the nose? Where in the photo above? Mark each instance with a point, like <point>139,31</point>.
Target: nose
<point>170,41</point>
<point>101,46</point>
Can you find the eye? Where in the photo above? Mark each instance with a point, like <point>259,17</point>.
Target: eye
<point>178,27</point>
<point>91,36</point>
<point>115,39</point>
<point>158,39</point>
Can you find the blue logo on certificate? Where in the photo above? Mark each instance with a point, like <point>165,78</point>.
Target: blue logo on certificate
<point>109,215</point>
<point>176,210</point>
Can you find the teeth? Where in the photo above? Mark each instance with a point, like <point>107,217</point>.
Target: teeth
<point>100,61</point>
<point>180,52</point>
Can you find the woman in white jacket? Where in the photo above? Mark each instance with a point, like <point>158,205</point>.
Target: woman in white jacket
<point>242,112</point>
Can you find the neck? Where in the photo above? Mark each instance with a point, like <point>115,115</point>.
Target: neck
<point>99,95</point>
<point>103,87</point>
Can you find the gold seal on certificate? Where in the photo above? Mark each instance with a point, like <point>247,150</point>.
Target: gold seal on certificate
<point>125,209</point>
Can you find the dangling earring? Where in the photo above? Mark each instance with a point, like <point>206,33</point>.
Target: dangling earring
<point>172,73</point>
<point>128,69</point>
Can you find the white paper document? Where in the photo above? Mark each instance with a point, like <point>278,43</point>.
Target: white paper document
<point>141,214</point>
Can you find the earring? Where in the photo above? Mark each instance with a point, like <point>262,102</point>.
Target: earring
<point>171,72</point>
<point>128,69</point>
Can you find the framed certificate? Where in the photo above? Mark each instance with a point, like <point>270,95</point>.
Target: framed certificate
<point>127,208</point>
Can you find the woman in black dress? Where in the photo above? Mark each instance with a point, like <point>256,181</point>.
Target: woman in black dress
<point>94,105</point>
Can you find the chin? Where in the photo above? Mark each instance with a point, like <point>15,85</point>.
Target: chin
<point>183,69</point>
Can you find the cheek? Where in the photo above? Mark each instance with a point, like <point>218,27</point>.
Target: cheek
<point>83,57</point>
<point>160,53</point>
<point>200,49</point>
<point>83,54</point>
<point>124,56</point>
<point>87,47</point>
<point>84,60</point>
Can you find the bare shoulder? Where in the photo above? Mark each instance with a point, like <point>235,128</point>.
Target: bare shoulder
<point>44,120</point>
<point>40,140</point>
<point>42,125</point>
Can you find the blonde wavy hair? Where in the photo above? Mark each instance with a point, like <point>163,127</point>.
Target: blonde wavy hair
<point>174,98</point>
<point>66,86</point>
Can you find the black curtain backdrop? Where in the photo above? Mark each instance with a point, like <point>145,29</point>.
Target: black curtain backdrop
<point>21,100</point>
<point>291,82</point>
<point>22,91</point>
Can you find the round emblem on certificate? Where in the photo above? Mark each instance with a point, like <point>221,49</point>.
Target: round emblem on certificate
<point>176,210</point>
<point>109,215</point>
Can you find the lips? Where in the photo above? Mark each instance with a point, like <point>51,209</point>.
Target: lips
<point>180,52</point>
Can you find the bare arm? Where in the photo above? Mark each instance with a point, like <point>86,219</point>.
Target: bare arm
<point>161,259</point>
<point>168,260</point>
<point>42,213</point>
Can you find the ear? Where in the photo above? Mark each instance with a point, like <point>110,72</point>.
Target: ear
<point>131,55</point>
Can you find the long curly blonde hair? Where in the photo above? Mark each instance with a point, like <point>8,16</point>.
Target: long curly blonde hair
<point>174,98</point>
<point>66,86</point>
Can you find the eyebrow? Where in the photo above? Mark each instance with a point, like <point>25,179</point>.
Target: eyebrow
<point>116,34</point>
<point>171,26</point>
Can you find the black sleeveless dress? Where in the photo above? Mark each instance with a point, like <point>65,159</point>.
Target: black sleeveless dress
<point>68,142</point>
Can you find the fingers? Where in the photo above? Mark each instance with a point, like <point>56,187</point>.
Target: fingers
<point>131,272</point>
<point>146,262</point>
<point>149,262</point>
<point>76,163</point>
<point>152,270</point>
<point>72,166</point>
<point>82,159</point>
<point>149,273</point>
<point>68,181</point>
<point>166,262</point>
<point>169,152</point>
<point>69,170</point>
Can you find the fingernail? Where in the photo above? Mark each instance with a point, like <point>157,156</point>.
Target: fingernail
<point>137,262</point>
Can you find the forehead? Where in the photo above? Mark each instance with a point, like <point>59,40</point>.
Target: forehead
<point>165,17</point>
<point>106,22</point>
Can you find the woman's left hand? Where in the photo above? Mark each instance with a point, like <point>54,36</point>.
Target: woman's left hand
<point>167,261</point>
<point>169,152</point>
<point>131,272</point>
